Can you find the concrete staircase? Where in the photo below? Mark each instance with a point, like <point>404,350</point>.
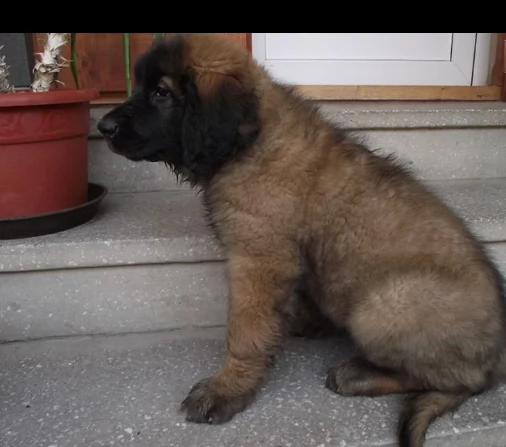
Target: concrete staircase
<point>104,328</point>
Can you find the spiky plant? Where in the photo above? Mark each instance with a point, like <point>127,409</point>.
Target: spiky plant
<point>47,64</point>
<point>5,85</point>
<point>51,61</point>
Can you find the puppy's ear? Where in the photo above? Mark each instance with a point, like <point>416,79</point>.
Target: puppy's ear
<point>221,120</point>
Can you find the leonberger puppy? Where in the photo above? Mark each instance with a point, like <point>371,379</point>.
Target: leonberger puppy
<point>305,210</point>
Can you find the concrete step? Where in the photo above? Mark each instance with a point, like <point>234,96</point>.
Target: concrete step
<point>126,390</point>
<point>148,262</point>
<point>441,140</point>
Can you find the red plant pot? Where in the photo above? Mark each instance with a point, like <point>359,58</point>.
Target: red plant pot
<point>43,151</point>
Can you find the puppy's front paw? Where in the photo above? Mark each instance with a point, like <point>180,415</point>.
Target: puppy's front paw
<point>205,404</point>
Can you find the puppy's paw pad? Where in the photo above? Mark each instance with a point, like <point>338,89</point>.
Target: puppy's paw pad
<point>204,405</point>
<point>342,380</point>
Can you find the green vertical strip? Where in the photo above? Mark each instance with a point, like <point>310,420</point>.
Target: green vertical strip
<point>126,59</point>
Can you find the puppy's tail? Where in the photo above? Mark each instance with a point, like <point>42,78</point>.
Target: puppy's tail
<point>421,410</point>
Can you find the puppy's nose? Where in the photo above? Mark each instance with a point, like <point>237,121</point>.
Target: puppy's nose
<point>107,127</point>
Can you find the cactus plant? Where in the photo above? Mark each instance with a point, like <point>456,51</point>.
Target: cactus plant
<point>5,85</point>
<point>47,66</point>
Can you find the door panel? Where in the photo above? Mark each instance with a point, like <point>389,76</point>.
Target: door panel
<point>364,46</point>
<point>368,58</point>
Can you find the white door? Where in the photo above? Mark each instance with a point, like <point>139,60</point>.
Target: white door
<point>371,58</point>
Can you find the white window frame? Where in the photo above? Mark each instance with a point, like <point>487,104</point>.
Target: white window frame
<point>468,67</point>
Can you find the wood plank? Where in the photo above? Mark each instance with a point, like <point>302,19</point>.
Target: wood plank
<point>110,98</point>
<point>503,87</point>
<point>406,93</point>
<point>375,93</point>
<point>499,60</point>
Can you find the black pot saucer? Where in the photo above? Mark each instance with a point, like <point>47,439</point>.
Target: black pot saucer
<point>49,223</point>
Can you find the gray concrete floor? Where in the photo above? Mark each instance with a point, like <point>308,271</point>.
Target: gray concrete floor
<point>126,389</point>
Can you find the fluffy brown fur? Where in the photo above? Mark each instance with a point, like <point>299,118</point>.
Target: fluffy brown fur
<point>300,205</point>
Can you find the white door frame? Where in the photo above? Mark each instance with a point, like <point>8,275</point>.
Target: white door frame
<point>468,66</point>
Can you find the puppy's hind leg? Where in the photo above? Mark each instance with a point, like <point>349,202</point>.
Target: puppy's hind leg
<point>359,377</point>
<point>436,345</point>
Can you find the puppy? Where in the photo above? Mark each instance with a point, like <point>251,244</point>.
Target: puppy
<point>300,205</point>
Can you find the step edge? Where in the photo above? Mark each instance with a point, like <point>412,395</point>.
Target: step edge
<point>52,265</point>
<point>387,116</point>
<point>186,247</point>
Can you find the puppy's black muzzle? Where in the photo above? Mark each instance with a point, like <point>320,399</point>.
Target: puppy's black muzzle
<point>108,127</point>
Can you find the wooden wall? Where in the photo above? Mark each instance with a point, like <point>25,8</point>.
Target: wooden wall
<point>100,60</point>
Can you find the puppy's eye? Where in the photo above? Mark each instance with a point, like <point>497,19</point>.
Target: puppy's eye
<point>162,91</point>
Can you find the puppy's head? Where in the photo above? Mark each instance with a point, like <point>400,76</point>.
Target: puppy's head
<point>193,106</point>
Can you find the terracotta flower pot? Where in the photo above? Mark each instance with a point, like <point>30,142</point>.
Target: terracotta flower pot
<point>43,151</point>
